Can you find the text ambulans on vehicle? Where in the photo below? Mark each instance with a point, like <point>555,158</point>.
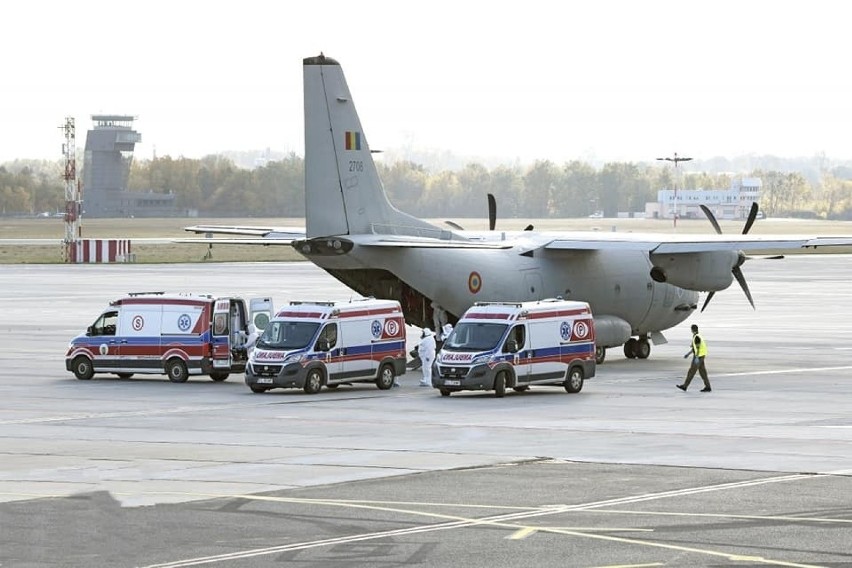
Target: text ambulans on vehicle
<point>311,344</point>
<point>177,335</point>
<point>499,345</point>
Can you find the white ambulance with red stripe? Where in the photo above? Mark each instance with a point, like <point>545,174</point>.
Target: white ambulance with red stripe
<point>500,345</point>
<point>173,334</point>
<point>309,345</point>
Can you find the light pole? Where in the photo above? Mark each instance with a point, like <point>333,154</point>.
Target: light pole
<point>676,159</point>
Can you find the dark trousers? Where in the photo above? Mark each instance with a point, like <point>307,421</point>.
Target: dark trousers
<point>701,370</point>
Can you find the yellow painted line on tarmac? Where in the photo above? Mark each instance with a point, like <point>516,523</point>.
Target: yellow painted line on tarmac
<point>521,534</point>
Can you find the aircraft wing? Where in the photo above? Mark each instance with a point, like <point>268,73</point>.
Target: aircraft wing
<point>411,242</point>
<point>244,235</point>
<point>677,244</point>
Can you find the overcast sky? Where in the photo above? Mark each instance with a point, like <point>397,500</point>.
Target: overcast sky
<point>612,80</point>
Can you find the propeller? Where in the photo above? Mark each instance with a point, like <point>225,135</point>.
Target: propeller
<point>492,216</point>
<point>736,271</point>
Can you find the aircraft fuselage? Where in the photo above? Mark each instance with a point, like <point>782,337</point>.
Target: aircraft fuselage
<point>613,282</point>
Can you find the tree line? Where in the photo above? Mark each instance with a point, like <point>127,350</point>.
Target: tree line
<point>215,186</point>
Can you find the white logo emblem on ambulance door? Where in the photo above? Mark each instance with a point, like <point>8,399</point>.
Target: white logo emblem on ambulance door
<point>138,323</point>
<point>392,328</point>
<point>376,328</point>
<point>103,349</point>
<point>581,330</point>
<point>184,321</point>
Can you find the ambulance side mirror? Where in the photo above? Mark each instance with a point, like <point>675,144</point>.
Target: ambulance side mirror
<point>89,330</point>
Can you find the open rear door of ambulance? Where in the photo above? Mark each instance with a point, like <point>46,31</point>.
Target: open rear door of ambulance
<point>260,310</point>
<point>221,334</point>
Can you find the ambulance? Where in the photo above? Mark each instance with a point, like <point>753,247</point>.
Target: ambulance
<point>309,345</point>
<point>500,345</point>
<point>173,334</point>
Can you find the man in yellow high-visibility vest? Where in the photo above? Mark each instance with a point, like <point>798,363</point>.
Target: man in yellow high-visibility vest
<point>698,353</point>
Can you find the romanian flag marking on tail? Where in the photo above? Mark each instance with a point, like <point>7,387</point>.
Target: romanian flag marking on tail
<point>353,140</point>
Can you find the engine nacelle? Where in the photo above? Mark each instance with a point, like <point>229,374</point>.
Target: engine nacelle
<point>701,271</point>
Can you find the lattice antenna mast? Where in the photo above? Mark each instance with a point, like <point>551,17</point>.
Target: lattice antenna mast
<point>73,201</point>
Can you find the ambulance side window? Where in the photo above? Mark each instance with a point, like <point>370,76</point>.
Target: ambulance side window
<point>515,340</point>
<point>327,338</point>
<point>105,325</point>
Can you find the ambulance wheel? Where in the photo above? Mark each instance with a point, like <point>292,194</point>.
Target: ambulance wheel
<point>386,377</point>
<point>574,382</point>
<point>500,384</point>
<point>445,392</point>
<point>600,354</point>
<point>256,389</point>
<point>124,375</point>
<point>521,389</point>
<point>83,369</point>
<point>219,376</point>
<point>176,370</point>
<point>313,382</point>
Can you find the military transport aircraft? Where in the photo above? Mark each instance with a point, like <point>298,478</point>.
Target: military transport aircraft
<point>638,285</point>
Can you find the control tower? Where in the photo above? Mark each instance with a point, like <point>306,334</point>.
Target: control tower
<point>106,170</point>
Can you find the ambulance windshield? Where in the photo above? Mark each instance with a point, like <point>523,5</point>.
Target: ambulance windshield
<point>475,336</point>
<point>287,335</point>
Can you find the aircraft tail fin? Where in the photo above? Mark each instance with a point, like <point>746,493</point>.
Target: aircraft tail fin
<point>343,193</point>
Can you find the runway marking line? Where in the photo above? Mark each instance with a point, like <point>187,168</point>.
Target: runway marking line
<point>503,521</point>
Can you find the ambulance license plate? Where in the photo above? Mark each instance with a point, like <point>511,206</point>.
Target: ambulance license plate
<point>264,381</point>
<point>452,383</point>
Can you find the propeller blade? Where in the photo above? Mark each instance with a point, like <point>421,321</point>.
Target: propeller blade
<point>528,228</point>
<point>454,225</point>
<point>492,212</point>
<point>752,215</point>
<point>707,300</point>
<point>712,218</point>
<point>738,274</point>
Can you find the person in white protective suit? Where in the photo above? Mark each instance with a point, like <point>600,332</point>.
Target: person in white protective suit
<point>251,339</point>
<point>427,355</point>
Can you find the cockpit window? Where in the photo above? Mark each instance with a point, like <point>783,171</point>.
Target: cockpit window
<point>475,336</point>
<point>287,335</point>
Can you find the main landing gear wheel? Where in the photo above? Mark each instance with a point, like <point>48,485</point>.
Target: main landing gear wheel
<point>600,354</point>
<point>637,348</point>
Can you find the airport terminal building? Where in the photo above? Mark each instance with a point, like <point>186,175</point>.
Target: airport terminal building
<point>731,203</point>
<point>106,171</point>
